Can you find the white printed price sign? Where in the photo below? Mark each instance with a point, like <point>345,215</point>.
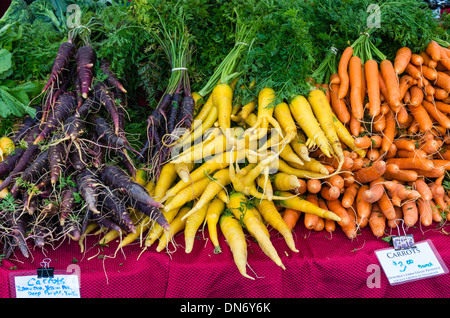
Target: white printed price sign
<point>405,265</point>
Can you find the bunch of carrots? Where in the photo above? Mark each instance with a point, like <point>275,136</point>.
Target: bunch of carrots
<point>334,165</point>
<point>398,113</point>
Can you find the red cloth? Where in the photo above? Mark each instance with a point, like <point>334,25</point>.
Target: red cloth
<point>326,267</point>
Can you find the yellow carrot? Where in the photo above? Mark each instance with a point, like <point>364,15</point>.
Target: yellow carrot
<point>271,215</point>
<point>285,182</point>
<point>217,183</point>
<point>192,224</point>
<point>176,226</point>
<point>166,178</point>
<point>235,237</point>
<point>299,204</point>
<point>303,114</point>
<point>213,213</point>
<point>188,194</point>
<point>238,206</point>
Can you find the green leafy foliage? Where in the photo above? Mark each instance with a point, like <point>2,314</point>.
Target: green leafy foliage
<point>282,55</point>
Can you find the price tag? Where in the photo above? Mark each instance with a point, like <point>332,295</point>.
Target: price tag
<point>410,264</point>
<point>58,286</point>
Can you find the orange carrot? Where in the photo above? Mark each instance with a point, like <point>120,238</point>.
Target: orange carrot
<point>374,192</point>
<point>376,141</point>
<point>436,208</point>
<point>355,126</point>
<point>363,208</point>
<point>427,60</point>
<point>402,58</point>
<point>329,224</point>
<point>434,51</point>
<point>396,221</point>
<point>443,81</point>
<point>371,73</point>
<point>291,216</point>
<point>425,212</point>
<point>338,104</point>
<point>349,195</point>
<point>429,73</point>
<point>392,86</point>
<point>388,132</point>
<point>337,181</point>
<point>412,163</point>
<point>386,206</point>
<point>313,185</point>
<point>422,118</point>
<point>355,77</point>
<point>330,192</point>
<point>440,94</point>
<point>377,221</point>
<point>443,107</point>
<point>410,213</point>
<point>350,230</point>
<point>336,207</point>
<point>393,172</point>
<point>430,147</point>
<point>405,83</point>
<point>343,72</point>
<point>404,144</point>
<point>363,142</point>
<point>373,154</point>
<point>435,113</point>
<point>369,174</point>
<point>416,94</point>
<point>423,188</point>
<point>379,122</point>
<point>416,153</point>
<point>310,220</point>
<point>301,188</point>
<point>392,152</point>
<point>416,59</point>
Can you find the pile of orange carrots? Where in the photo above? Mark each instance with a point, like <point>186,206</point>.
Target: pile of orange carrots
<point>397,111</point>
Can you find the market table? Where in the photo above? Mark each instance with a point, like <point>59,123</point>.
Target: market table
<point>327,266</point>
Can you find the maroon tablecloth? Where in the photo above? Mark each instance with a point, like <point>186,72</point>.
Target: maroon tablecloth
<point>327,266</point>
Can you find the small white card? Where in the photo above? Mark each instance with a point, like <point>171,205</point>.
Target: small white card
<point>405,265</point>
<point>58,286</point>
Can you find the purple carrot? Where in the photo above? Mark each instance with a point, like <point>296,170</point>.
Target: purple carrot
<point>89,105</point>
<point>105,222</point>
<point>78,159</point>
<point>17,222</point>
<point>34,170</point>
<point>116,178</point>
<point>87,183</point>
<point>72,229</point>
<point>105,133</point>
<point>67,204</point>
<point>56,158</point>
<point>77,88</point>
<point>106,99</point>
<point>8,164</point>
<point>64,107</point>
<point>111,77</point>
<point>25,159</point>
<point>127,162</point>
<point>174,111</point>
<point>109,202</point>
<point>165,102</point>
<point>74,127</point>
<point>85,59</point>
<point>153,212</point>
<point>187,112</point>
<point>65,52</point>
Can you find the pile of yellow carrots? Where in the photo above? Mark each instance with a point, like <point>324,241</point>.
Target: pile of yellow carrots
<point>243,169</point>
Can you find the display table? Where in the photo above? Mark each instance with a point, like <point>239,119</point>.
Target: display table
<point>327,266</point>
